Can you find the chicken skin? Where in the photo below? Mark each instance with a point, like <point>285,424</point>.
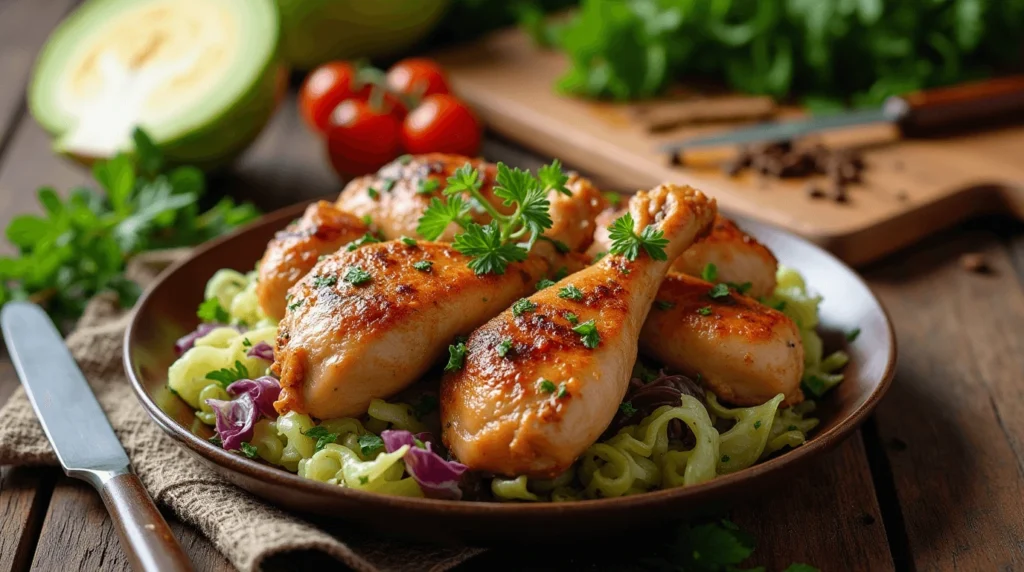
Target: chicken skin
<point>366,323</point>
<point>743,351</point>
<point>737,256</point>
<point>293,251</point>
<point>542,380</point>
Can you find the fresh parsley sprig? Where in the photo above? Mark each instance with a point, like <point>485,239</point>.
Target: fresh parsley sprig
<point>507,238</point>
<point>626,242</point>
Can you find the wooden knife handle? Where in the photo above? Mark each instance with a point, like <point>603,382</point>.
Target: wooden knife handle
<point>958,105</point>
<point>144,533</point>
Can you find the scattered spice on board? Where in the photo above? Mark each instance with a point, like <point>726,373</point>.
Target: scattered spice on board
<point>785,159</point>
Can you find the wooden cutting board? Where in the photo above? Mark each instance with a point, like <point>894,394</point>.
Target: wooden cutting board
<point>911,187</point>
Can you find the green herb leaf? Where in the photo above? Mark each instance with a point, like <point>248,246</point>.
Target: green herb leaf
<point>664,305</point>
<point>226,376</point>
<point>426,405</point>
<point>588,334</point>
<point>249,450</point>
<point>571,317</point>
<point>211,311</point>
<point>627,243</point>
<point>456,356</point>
<point>545,283</point>
<point>465,179</point>
<point>552,177</point>
<point>356,276</point>
<point>852,334</point>
<point>627,409</point>
<point>718,291</point>
<point>709,273</point>
<point>570,292</point>
<point>504,347</point>
<point>246,343</point>
<point>367,238</point>
<point>521,306</point>
<point>322,436</point>
<point>295,305</point>
<point>562,390</point>
<point>369,444</point>
<point>440,214</point>
<point>408,241</point>
<point>323,281</point>
<point>387,185</point>
<point>742,288</point>
<point>372,192</point>
<point>757,424</point>
<point>427,186</point>
<point>704,310</point>
<point>216,440</point>
<point>423,265</point>
<point>490,255</point>
<point>546,386</point>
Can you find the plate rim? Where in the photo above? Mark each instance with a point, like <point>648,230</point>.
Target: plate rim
<point>818,445</point>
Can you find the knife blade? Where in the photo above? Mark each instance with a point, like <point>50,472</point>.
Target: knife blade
<point>82,437</point>
<point>915,113</point>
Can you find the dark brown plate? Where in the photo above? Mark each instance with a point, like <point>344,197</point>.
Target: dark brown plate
<point>167,311</point>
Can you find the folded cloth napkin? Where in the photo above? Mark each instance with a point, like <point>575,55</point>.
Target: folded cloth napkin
<point>242,527</point>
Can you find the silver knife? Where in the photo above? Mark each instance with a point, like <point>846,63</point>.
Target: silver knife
<point>83,439</point>
<point>915,113</point>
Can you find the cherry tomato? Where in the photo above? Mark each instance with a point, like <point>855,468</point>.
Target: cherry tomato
<point>441,124</point>
<point>418,77</point>
<point>361,139</point>
<point>323,90</point>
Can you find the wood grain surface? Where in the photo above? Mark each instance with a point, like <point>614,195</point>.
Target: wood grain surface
<point>934,482</point>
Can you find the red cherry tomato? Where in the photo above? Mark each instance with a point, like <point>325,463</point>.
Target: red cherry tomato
<point>323,90</point>
<point>441,124</point>
<point>361,139</point>
<point>418,77</point>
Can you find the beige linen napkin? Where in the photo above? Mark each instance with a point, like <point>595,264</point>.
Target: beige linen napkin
<point>242,527</point>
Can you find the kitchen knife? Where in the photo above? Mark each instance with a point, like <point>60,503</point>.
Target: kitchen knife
<point>915,113</point>
<point>83,439</point>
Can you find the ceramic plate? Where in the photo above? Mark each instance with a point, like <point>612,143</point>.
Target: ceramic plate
<point>168,311</point>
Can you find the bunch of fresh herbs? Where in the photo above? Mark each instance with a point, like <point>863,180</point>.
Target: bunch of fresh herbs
<point>79,246</point>
<point>826,52</point>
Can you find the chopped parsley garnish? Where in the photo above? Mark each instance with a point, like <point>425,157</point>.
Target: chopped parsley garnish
<point>552,177</point>
<point>295,305</point>
<point>372,192</point>
<point>781,305</point>
<point>387,185</point>
<point>246,343</point>
<point>322,436</point>
<point>570,292</point>
<point>573,318</point>
<point>545,283</point>
<point>725,458</point>
<point>628,243</point>
<point>367,238</point>
<point>599,256</point>
<point>613,198</point>
<point>704,310</point>
<point>710,272</point>
<point>226,376</point>
<point>367,220</point>
<point>522,306</point>
<point>741,288</point>
<point>216,441</point>
<point>588,333</point>
<point>356,276</point>
<point>404,159</point>
<point>562,390</point>
<point>560,246</point>
<point>757,424</point>
<point>547,386</point>
<point>423,265</point>
<point>852,334</point>
<point>324,281</point>
<point>627,409</point>
<point>507,238</point>
<point>503,347</point>
<point>249,450</point>
<point>456,356</point>
<point>664,305</point>
<point>363,479</point>
<point>791,428</point>
<point>426,405</point>
<point>408,241</point>
<point>369,444</point>
<point>211,311</point>
<point>427,186</point>
<point>562,272</point>
<point>718,291</point>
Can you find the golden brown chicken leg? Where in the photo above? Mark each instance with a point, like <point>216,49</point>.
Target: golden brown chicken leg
<point>543,379</point>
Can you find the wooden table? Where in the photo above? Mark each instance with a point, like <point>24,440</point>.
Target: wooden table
<point>934,481</point>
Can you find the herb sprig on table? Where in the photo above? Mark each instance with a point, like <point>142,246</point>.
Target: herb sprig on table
<point>507,238</point>
<point>80,244</point>
<point>823,51</point>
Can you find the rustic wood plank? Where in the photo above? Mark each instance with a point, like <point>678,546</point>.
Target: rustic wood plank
<point>953,424</point>
<point>24,494</point>
<point>78,535</point>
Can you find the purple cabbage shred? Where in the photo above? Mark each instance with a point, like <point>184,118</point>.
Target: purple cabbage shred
<point>438,477</point>
<point>262,350</point>
<point>263,391</point>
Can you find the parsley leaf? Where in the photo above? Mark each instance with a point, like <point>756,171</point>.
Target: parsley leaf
<point>521,306</point>
<point>249,450</point>
<point>709,273</point>
<point>456,356</point>
<point>367,238</point>
<point>742,288</point>
<point>324,281</point>
<point>547,386</point>
<point>704,310</point>
<point>628,243</point>
<point>571,317</point>
<point>356,276</point>
<point>465,179</point>
<point>226,376</point>
<point>211,311</point>
<point>627,409</point>
<point>295,305</point>
<point>408,241</point>
<point>423,265</point>
<point>852,334</point>
<point>440,214</point>
<point>246,343</point>
<point>545,283</point>
<point>562,390</point>
<point>372,192</point>
<point>504,347</point>
<point>427,186</point>
<point>322,436</point>
<point>663,305</point>
<point>489,253</point>
<point>387,185</point>
<point>718,291</point>
<point>570,292</point>
<point>552,177</point>
<point>588,334</point>
<point>216,440</point>
<point>369,444</point>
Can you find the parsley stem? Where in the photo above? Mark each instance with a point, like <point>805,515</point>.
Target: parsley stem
<point>486,205</point>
